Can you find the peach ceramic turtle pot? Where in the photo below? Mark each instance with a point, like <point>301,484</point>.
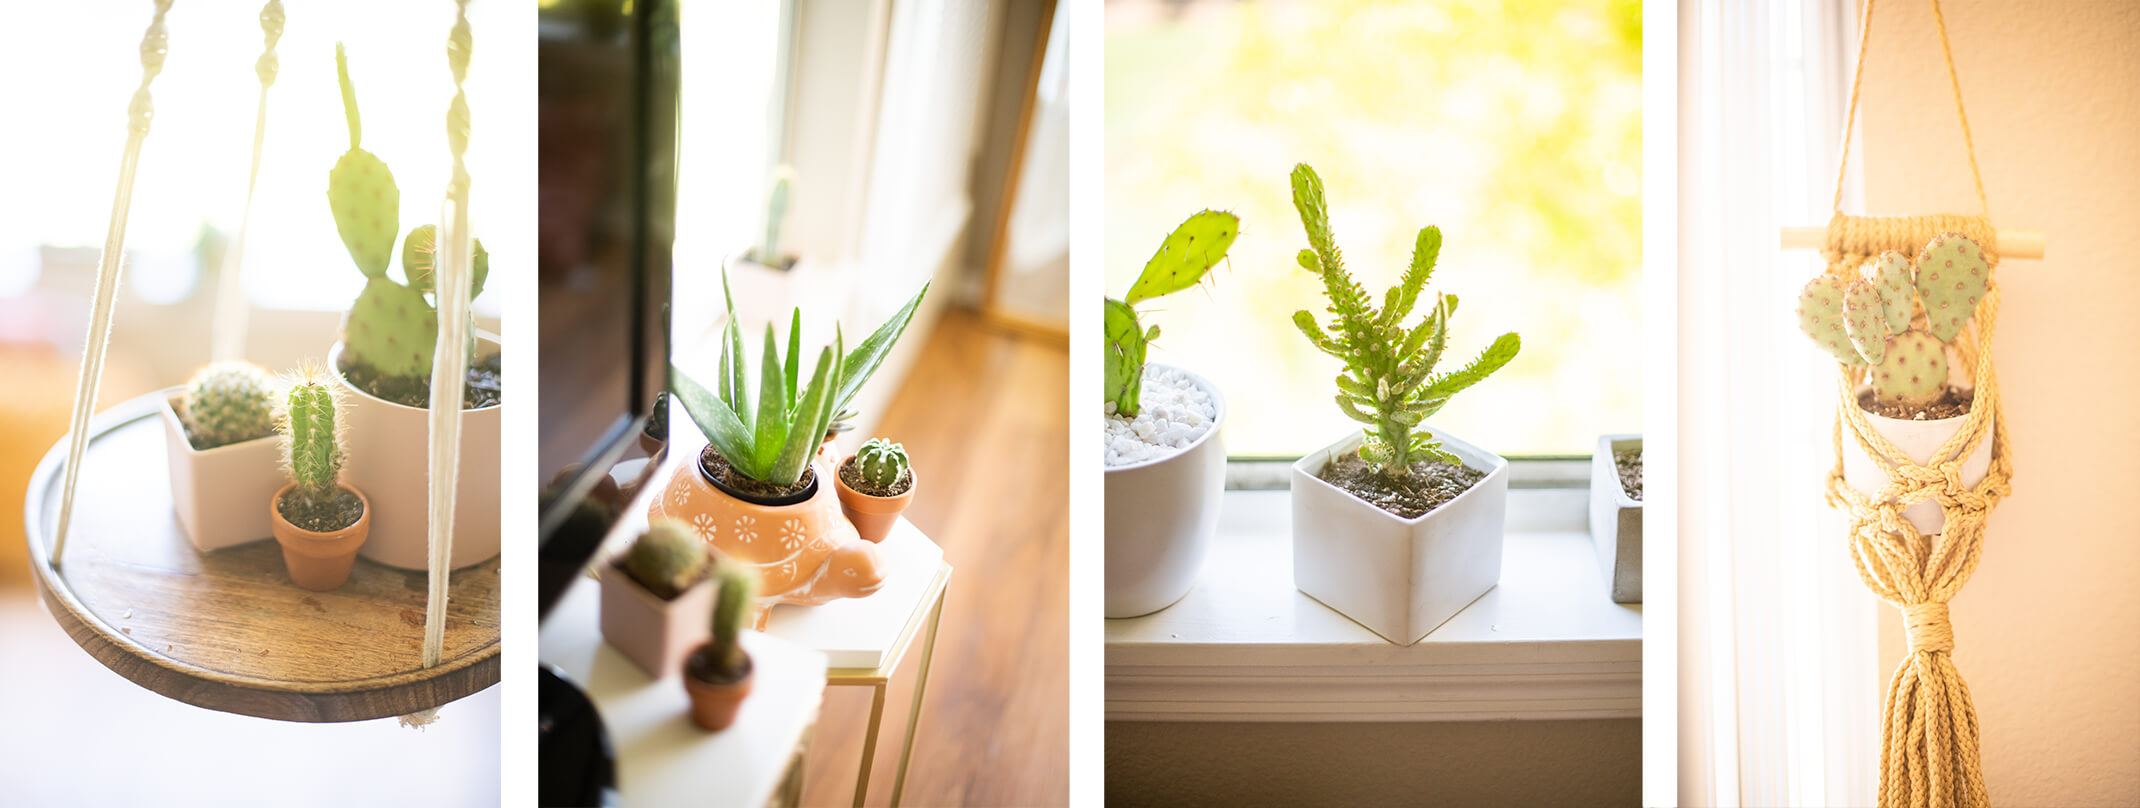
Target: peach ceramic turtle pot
<point>319,561</point>
<point>804,552</point>
<point>873,516</point>
<point>714,706</point>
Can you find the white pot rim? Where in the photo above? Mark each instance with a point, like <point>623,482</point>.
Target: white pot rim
<point>1218,419</point>
<point>170,411</point>
<point>1876,418</point>
<point>1464,450</point>
<point>1619,495</point>
<point>334,365</point>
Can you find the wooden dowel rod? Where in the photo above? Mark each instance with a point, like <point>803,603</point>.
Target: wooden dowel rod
<point>2012,243</point>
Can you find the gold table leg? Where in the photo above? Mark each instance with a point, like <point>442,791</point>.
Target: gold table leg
<point>869,741</point>
<point>921,686</point>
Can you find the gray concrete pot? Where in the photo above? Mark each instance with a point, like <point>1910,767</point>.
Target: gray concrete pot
<point>1616,521</point>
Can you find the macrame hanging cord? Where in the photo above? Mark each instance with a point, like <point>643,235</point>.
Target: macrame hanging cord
<point>1928,727</point>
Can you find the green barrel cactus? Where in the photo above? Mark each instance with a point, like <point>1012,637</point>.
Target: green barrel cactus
<point>226,403</point>
<point>312,444</point>
<point>1870,321</point>
<point>1184,259</point>
<point>668,559</point>
<point>882,463</point>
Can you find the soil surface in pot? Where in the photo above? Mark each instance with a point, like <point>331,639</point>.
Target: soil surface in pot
<point>484,388</point>
<point>699,666</point>
<point>1172,414</point>
<point>1953,403</point>
<point>852,476</point>
<point>1629,464</point>
<point>336,512</point>
<point>1431,484</point>
<point>729,476</point>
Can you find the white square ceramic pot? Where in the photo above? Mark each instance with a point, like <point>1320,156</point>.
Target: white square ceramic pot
<point>1616,521</point>
<point>220,494</point>
<point>388,460</point>
<point>1400,578</point>
<point>1920,440</point>
<point>654,634</point>
<point>1161,515</point>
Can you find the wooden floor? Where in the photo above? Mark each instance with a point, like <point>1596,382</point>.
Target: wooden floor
<point>984,416</point>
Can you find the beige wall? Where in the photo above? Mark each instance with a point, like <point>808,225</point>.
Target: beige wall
<point>1514,763</point>
<point>2048,632</point>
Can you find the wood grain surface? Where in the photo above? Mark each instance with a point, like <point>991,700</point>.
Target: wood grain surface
<point>227,630</point>
<point>984,413</point>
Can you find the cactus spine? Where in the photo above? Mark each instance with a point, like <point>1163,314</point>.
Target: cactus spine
<point>392,326</point>
<point>1389,382</point>
<point>228,402</point>
<point>882,464</point>
<point>723,654</point>
<point>1872,321</point>
<point>312,446</point>
<point>1184,259</point>
<point>667,559</point>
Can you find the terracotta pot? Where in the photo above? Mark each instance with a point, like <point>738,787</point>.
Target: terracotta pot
<point>805,553</point>
<point>654,634</point>
<point>388,446</point>
<point>213,490</point>
<point>714,707</point>
<point>319,561</point>
<point>1161,517</point>
<point>1401,578</point>
<point>873,516</point>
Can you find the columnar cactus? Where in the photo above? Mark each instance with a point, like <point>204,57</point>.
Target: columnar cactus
<point>1871,321</point>
<point>1187,255</point>
<point>312,445</point>
<point>776,212</point>
<point>392,326</point>
<point>723,654</point>
<point>228,402</point>
<point>1389,382</point>
<point>881,463</point>
<point>668,559</point>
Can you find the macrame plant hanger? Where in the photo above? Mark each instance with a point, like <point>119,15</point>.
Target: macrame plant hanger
<point>1929,735</point>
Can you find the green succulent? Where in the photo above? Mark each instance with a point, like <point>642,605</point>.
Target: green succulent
<point>1868,321</point>
<point>228,402</point>
<point>667,559</point>
<point>881,463</point>
<point>1184,258</point>
<point>312,441</point>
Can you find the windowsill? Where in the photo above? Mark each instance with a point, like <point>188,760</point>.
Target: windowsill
<point>1547,643</point>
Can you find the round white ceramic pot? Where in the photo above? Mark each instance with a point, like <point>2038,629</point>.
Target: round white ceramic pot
<point>1161,515</point>
<point>387,444</point>
<point>1918,439</point>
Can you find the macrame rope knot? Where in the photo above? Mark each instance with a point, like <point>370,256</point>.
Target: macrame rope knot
<point>1929,632</point>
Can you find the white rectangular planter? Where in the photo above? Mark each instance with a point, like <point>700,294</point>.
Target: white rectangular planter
<point>1401,578</point>
<point>389,460</point>
<point>1616,521</point>
<point>221,495</point>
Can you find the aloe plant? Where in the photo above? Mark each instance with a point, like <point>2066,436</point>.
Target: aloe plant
<point>773,441</point>
<point>1389,382</point>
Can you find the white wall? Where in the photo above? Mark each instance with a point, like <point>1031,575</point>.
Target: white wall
<point>2047,634</point>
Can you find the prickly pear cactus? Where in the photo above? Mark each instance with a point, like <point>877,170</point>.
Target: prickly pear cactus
<point>419,262</point>
<point>391,328</point>
<point>228,402</point>
<point>882,463</point>
<point>1184,258</point>
<point>312,446</point>
<point>668,559</point>
<point>1952,275</point>
<point>361,191</point>
<point>1868,321</point>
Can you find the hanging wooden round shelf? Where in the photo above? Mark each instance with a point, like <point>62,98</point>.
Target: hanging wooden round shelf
<point>226,630</point>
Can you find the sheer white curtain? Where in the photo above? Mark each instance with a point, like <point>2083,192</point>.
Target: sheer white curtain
<point>1778,679</point>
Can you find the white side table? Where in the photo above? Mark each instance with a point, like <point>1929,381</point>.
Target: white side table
<point>662,757</point>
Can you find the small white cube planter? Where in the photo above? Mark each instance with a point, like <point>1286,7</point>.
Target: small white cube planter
<point>1401,578</point>
<point>1616,521</point>
<point>220,494</point>
<point>1161,515</point>
<point>388,460</point>
<point>1918,439</point>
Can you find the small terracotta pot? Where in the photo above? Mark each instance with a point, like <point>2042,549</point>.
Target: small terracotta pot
<point>714,707</point>
<point>319,561</point>
<point>873,516</point>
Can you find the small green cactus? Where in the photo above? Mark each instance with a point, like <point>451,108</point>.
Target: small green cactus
<point>228,402</point>
<point>1184,259</point>
<point>668,559</point>
<point>776,212</point>
<point>312,441</point>
<point>882,464</point>
<point>1868,322</point>
<point>392,326</point>
<point>1389,382</point>
<point>723,655</point>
